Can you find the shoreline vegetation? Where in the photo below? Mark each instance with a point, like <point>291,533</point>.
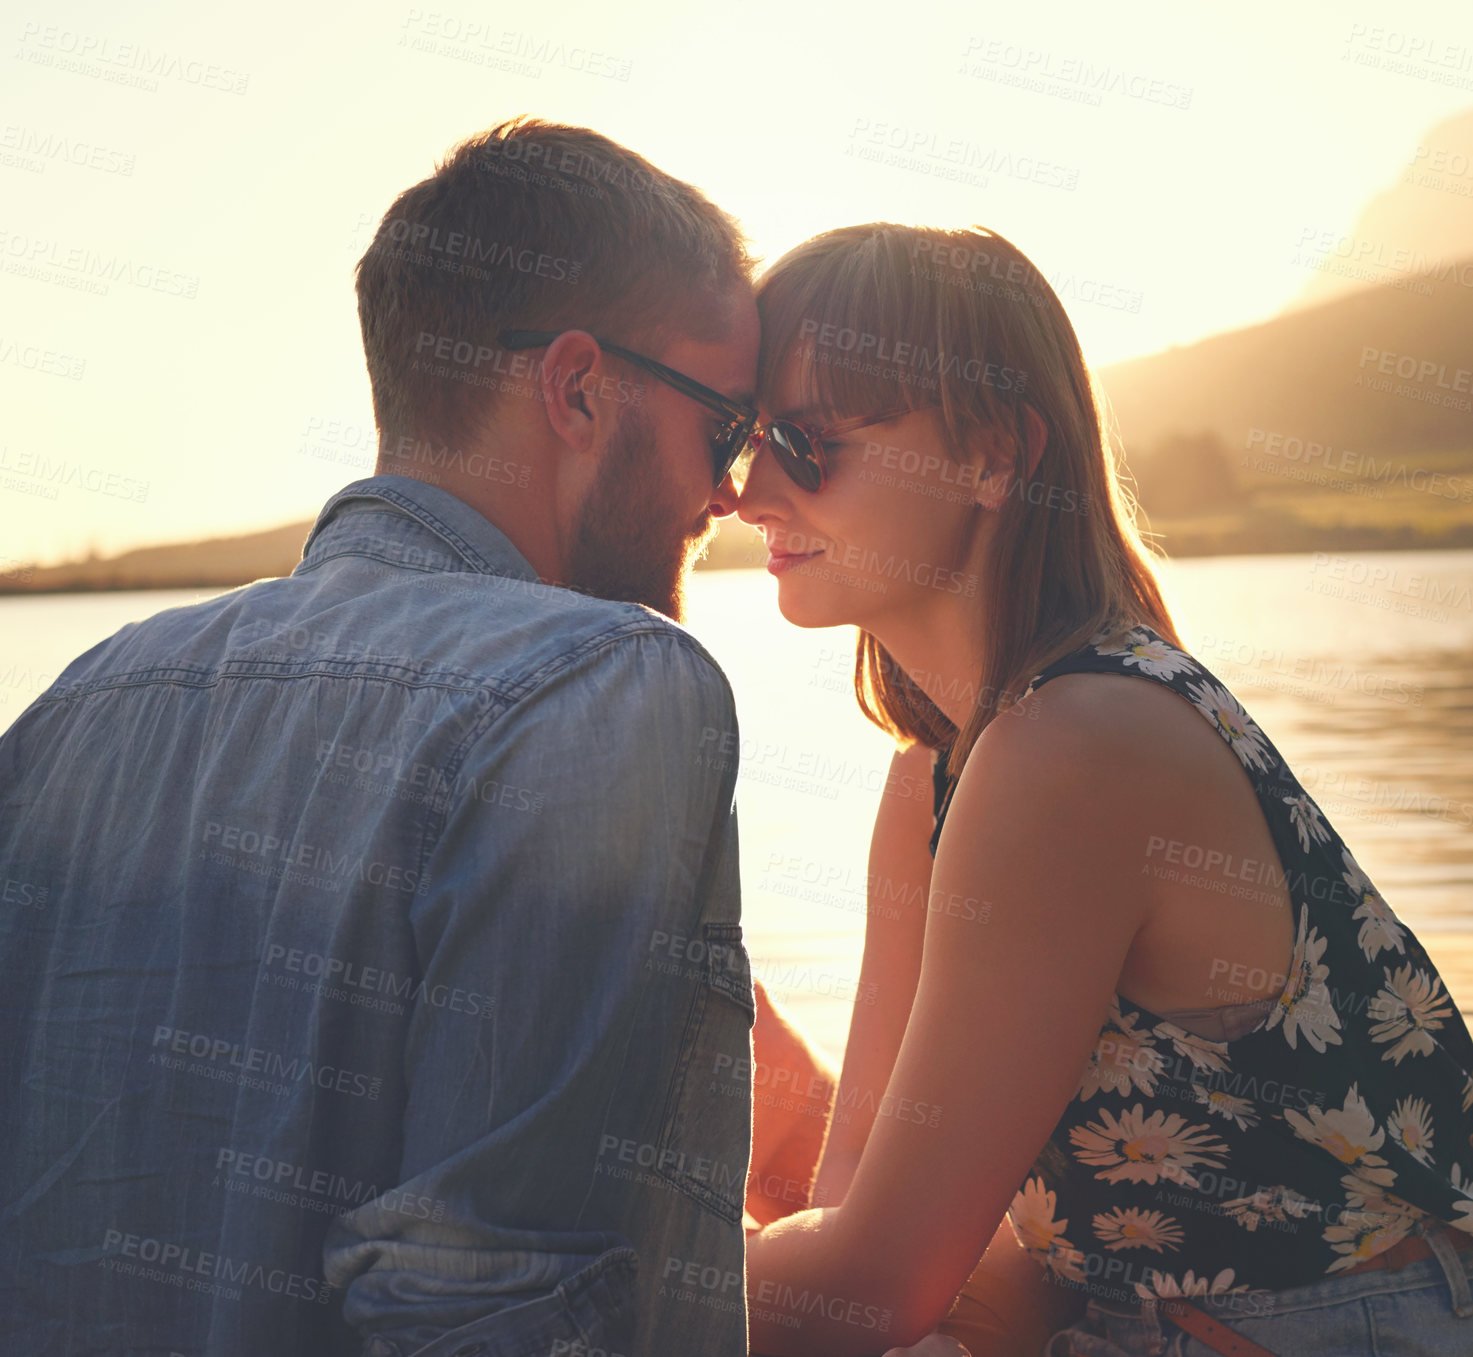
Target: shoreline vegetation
<point>1261,529</point>
<point>1196,501</point>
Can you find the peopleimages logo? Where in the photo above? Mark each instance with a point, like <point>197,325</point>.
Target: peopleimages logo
<point>185,1266</point>
<point>446,248</point>
<point>862,344</point>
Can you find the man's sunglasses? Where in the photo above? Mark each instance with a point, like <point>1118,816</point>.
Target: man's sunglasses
<point>738,418</point>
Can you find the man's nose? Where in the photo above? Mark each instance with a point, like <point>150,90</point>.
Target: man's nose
<point>725,497</point>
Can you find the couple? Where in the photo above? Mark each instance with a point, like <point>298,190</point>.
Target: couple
<point>374,969</point>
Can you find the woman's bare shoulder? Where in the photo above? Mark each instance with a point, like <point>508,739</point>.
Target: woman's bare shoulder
<point>1080,718</point>
<point>1101,762</point>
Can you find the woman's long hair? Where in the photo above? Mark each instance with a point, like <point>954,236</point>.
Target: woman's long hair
<point>885,316</point>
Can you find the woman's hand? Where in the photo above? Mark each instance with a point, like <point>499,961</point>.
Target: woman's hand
<point>932,1345</point>
<point>787,1131</point>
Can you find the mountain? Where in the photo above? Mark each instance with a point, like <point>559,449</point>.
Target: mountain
<point>212,562</point>
<point>224,562</point>
<point>1423,220</point>
<point>1346,426</point>
<point>1344,423</point>
<point>1331,374</point>
<point>1311,431</point>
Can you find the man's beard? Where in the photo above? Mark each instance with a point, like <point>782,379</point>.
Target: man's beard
<point>629,544</point>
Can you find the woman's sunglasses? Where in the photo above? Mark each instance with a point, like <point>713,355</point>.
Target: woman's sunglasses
<point>798,448</point>
<point>738,418</point>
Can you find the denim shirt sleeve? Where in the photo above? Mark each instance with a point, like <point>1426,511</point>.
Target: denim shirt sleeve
<point>587,1140</point>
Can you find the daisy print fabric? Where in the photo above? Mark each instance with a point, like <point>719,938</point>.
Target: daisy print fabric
<point>1185,1166</point>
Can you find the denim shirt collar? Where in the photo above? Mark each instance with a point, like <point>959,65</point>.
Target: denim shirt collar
<point>469,537</point>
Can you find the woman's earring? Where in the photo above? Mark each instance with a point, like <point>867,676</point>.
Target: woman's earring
<point>992,490</point>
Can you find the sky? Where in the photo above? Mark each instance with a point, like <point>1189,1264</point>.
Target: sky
<point>226,168</point>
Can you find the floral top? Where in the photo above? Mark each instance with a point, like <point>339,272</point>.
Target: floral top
<point>1309,1144</point>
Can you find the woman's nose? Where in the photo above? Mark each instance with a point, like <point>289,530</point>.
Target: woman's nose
<point>762,491</point>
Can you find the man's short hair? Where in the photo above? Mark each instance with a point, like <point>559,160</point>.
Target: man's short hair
<point>532,225</point>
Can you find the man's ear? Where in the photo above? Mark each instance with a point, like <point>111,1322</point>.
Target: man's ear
<point>568,373</point>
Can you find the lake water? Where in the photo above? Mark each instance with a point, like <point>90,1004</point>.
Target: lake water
<point>1359,668</point>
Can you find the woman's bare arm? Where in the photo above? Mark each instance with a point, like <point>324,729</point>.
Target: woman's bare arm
<point>1035,901</point>
<point>791,1100</point>
<point>1007,1305</point>
<point>898,886</point>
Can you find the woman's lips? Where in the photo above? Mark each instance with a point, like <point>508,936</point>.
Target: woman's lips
<point>779,561</point>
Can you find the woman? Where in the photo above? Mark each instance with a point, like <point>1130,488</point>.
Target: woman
<point>1242,1083</point>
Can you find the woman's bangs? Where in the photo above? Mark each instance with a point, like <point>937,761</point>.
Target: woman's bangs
<point>859,350</point>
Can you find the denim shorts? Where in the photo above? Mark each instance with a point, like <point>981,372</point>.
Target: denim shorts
<point>1422,1310</point>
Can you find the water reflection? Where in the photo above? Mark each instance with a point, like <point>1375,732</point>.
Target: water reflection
<point>1385,754</point>
<point>1369,699</point>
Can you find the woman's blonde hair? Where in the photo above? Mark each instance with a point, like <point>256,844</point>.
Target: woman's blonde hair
<point>886,316</point>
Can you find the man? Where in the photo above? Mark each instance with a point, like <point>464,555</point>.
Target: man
<point>389,974</point>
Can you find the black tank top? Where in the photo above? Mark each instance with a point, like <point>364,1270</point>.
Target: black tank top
<point>1291,1152</point>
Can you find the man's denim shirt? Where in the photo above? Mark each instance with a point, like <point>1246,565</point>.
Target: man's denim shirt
<point>374,978</point>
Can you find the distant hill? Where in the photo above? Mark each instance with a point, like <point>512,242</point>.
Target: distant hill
<point>1425,217</point>
<point>1237,443</point>
<point>213,562</point>
<point>1315,374</point>
<point>1344,423</point>
<point>1344,426</point>
<point>224,562</point>
<point>1217,437</point>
